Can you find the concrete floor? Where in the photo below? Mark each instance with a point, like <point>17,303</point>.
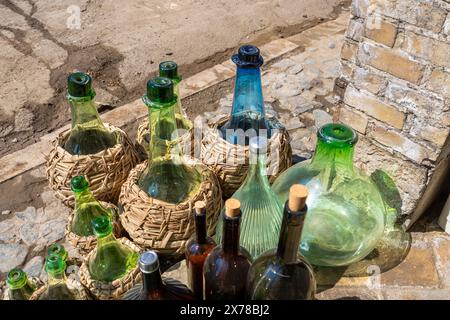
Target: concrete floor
<point>120,45</point>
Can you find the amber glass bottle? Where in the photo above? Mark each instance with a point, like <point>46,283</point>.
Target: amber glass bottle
<point>226,268</point>
<point>197,249</point>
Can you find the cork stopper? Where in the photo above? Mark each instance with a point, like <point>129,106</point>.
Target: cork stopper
<point>200,208</point>
<point>232,208</point>
<point>297,197</point>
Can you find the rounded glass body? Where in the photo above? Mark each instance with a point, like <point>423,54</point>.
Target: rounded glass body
<point>346,214</point>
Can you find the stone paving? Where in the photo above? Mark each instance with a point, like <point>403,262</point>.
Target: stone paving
<point>298,88</point>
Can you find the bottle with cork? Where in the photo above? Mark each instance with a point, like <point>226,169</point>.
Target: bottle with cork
<point>283,273</point>
<point>225,270</point>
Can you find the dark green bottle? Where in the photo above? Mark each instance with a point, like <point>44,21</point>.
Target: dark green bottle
<point>112,260</point>
<point>20,288</point>
<point>86,208</point>
<point>88,135</point>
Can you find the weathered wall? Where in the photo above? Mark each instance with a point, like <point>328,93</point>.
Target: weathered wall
<point>396,75</point>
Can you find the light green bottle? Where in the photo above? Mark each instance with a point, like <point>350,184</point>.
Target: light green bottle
<point>86,208</point>
<point>20,288</point>
<point>168,177</point>
<point>88,135</point>
<point>59,250</point>
<point>57,288</point>
<point>112,260</point>
<point>262,212</point>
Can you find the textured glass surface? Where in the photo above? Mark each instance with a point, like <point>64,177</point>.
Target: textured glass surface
<point>19,286</point>
<point>346,215</point>
<point>168,177</point>
<point>261,210</point>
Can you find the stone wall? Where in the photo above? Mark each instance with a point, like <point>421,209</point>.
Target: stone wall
<point>395,72</point>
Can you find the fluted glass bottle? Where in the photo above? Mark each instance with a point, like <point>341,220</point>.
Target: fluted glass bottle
<point>345,210</point>
<point>261,209</point>
<point>283,273</point>
<point>86,208</point>
<point>197,249</point>
<point>88,135</point>
<point>153,286</point>
<point>112,260</point>
<point>20,288</point>
<point>247,115</point>
<point>167,177</point>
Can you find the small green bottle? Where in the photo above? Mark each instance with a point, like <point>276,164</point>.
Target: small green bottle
<point>59,250</point>
<point>88,135</point>
<point>86,208</point>
<point>20,288</point>
<point>112,260</point>
<point>57,288</point>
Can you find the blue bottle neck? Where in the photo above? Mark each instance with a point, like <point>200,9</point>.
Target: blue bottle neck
<point>248,96</point>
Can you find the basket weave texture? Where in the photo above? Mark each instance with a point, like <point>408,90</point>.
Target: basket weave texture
<point>230,162</point>
<point>71,283</point>
<point>165,227</point>
<point>110,290</point>
<point>85,245</point>
<point>105,171</point>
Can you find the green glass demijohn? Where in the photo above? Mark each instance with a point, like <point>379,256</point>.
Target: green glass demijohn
<point>167,177</point>
<point>112,260</point>
<point>20,288</point>
<point>86,208</point>
<point>261,209</point>
<point>346,213</point>
<point>88,134</point>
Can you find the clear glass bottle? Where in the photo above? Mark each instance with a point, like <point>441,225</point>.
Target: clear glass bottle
<point>20,288</point>
<point>153,286</point>
<point>86,208</point>
<point>197,249</point>
<point>57,288</point>
<point>346,214</point>
<point>226,267</point>
<point>248,116</point>
<point>167,177</point>
<point>112,260</point>
<point>88,135</point>
<point>283,273</point>
<point>261,209</point>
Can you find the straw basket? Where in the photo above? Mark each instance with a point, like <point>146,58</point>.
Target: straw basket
<point>165,227</point>
<point>230,162</point>
<point>110,290</point>
<point>71,283</point>
<point>105,171</point>
<point>84,245</point>
<point>143,139</point>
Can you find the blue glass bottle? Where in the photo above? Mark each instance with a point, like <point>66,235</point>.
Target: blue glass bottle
<point>248,116</point>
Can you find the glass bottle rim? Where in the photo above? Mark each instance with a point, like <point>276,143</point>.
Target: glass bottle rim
<point>78,184</point>
<point>337,134</point>
<point>57,249</point>
<point>16,278</point>
<point>54,264</point>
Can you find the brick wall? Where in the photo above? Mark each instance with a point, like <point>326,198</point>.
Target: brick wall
<point>396,76</point>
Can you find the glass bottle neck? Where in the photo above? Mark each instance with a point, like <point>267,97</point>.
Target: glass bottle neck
<point>248,96</point>
<point>84,112</point>
<point>230,239</point>
<point>257,172</point>
<point>85,196</point>
<point>200,228</point>
<point>106,239</point>
<point>56,278</point>
<point>339,155</point>
<point>151,281</point>
<point>290,234</point>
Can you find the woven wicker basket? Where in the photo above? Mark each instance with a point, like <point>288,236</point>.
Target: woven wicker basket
<point>230,162</point>
<point>71,283</point>
<point>105,171</point>
<point>143,140</point>
<point>162,226</point>
<point>110,290</point>
<point>85,245</point>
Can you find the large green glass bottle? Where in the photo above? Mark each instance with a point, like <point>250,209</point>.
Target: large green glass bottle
<point>112,260</point>
<point>168,177</point>
<point>20,288</point>
<point>86,208</point>
<point>88,135</point>
<point>57,288</point>
<point>346,213</point>
<point>261,209</point>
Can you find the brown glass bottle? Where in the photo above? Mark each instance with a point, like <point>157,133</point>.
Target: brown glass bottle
<point>283,273</point>
<point>226,268</point>
<point>155,287</point>
<point>197,249</point>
